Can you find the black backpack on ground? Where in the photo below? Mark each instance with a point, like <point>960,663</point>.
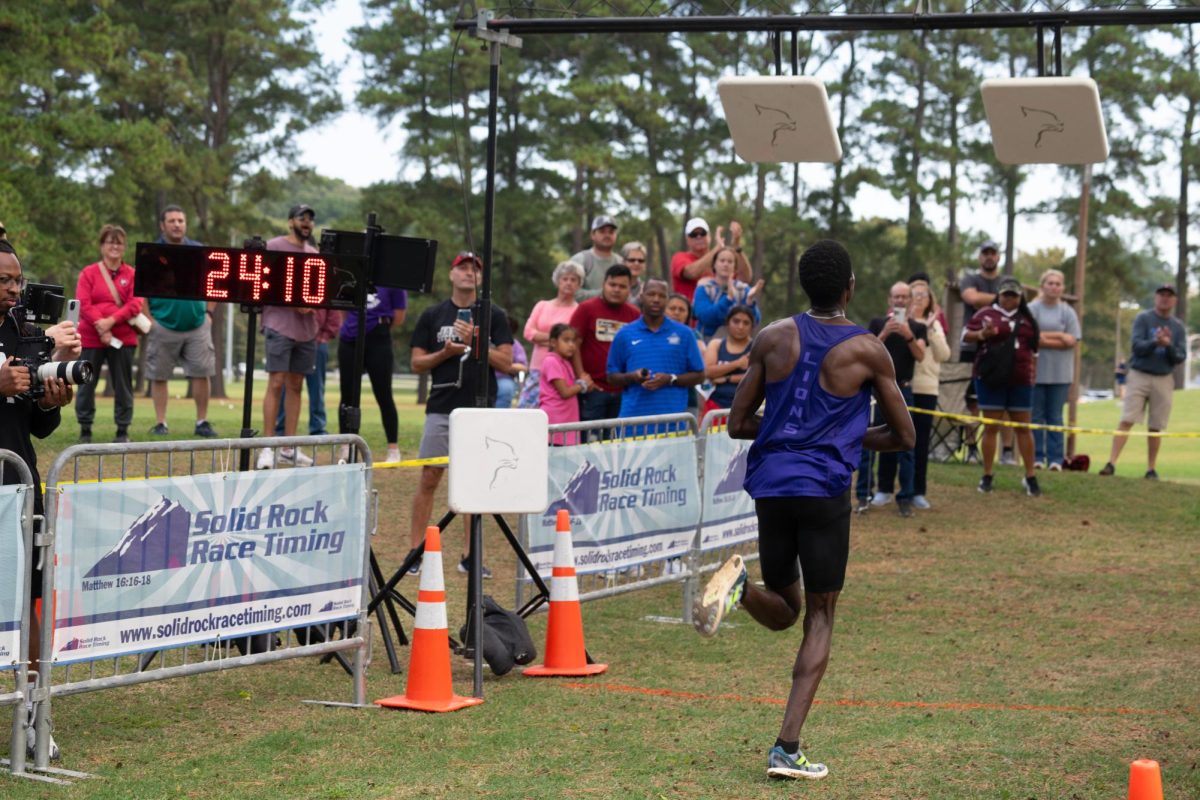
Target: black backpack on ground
<point>506,639</point>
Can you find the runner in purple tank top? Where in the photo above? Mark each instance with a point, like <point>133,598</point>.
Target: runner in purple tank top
<point>816,372</point>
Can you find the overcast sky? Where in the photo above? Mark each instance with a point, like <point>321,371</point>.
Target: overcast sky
<point>353,148</point>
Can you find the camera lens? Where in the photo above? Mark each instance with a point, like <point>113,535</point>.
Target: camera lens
<point>74,373</point>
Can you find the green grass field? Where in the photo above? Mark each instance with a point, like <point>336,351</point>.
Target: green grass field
<point>994,647</point>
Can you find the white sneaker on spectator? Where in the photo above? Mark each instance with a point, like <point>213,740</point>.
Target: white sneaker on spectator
<point>881,499</point>
<point>920,502</point>
<point>343,456</point>
<point>1056,467</point>
<point>393,456</point>
<point>266,459</point>
<point>1008,458</point>
<point>289,455</point>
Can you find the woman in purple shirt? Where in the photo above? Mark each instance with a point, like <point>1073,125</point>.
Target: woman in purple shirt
<point>385,308</point>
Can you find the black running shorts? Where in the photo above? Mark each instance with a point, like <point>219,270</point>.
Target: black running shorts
<point>804,534</point>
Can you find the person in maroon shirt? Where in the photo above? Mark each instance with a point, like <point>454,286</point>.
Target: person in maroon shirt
<point>1004,373</point>
<point>597,320</point>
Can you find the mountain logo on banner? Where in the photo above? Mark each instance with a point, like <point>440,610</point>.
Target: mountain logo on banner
<point>735,473</point>
<point>582,495</point>
<point>74,644</point>
<point>157,540</point>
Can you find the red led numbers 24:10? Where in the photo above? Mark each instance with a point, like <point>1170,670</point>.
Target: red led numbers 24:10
<point>253,271</point>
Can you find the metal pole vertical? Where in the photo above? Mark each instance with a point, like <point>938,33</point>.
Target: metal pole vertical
<point>1080,275</point>
<point>475,612</point>
<point>1041,52</point>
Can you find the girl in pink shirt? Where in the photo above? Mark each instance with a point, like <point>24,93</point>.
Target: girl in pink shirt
<point>559,389</point>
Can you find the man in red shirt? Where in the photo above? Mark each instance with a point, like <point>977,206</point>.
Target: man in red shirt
<point>597,320</point>
<point>688,267</point>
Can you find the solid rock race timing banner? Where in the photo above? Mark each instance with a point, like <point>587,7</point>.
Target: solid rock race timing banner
<point>630,502</point>
<point>12,573</point>
<point>729,516</point>
<point>152,564</point>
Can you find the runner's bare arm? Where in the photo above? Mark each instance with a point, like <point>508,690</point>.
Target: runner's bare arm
<point>743,416</point>
<point>897,432</point>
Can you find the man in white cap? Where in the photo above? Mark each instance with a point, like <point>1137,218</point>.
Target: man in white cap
<point>689,266</point>
<point>598,258</point>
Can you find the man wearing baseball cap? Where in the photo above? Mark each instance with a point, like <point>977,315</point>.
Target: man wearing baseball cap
<point>689,266</point>
<point>598,258</point>
<point>442,336</point>
<point>291,345</point>
<point>979,290</point>
<point>1159,342</point>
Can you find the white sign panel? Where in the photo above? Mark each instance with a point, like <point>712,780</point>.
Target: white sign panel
<point>498,460</point>
<point>1045,120</point>
<point>779,119</point>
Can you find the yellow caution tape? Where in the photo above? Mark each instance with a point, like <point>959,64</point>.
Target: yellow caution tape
<point>1004,423</point>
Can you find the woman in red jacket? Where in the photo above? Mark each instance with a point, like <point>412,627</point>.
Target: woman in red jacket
<point>105,308</point>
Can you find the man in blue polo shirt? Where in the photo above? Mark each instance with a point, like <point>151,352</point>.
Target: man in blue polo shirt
<point>654,359</point>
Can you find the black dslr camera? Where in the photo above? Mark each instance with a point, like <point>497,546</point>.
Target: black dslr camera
<point>42,303</point>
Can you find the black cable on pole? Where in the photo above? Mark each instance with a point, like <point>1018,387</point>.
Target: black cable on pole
<point>1041,51</point>
<point>841,22</point>
<point>1058,50</point>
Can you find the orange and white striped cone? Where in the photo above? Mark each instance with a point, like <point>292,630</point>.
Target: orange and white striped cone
<point>429,686</point>
<point>565,653</point>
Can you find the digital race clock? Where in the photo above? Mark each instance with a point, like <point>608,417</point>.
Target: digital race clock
<point>250,277</point>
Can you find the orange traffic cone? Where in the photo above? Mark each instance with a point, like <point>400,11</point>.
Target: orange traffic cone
<point>1145,782</point>
<point>565,654</point>
<point>429,687</point>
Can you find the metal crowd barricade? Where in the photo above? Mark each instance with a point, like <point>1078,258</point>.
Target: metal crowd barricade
<point>142,461</point>
<point>703,557</point>
<point>18,662</point>
<point>612,432</point>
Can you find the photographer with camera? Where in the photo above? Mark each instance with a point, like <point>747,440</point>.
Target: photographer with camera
<point>21,414</point>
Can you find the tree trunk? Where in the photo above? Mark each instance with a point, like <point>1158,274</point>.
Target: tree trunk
<point>914,225</point>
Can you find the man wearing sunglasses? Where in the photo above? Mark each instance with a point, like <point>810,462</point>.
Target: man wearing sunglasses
<point>689,266</point>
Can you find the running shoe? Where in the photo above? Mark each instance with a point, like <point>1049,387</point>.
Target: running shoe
<point>415,567</point>
<point>1151,475</point>
<point>905,507</point>
<point>266,459</point>
<point>972,456</point>
<point>1108,469</point>
<point>1031,487</point>
<point>985,484</point>
<point>1008,458</point>
<point>921,502</point>
<point>1056,467</point>
<point>203,428</point>
<point>881,499</point>
<point>864,505</point>
<point>464,566</point>
<point>720,596</point>
<point>784,766</point>
<point>288,455</point>
<point>160,430</point>
<point>85,436</point>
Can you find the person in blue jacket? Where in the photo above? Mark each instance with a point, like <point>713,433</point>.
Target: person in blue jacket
<point>716,295</point>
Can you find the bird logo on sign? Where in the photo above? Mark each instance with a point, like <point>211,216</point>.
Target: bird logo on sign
<point>507,457</point>
<point>1049,121</point>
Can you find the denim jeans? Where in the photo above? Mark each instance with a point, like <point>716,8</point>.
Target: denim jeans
<point>888,463</point>
<point>506,387</point>
<point>1048,402</point>
<point>315,383</point>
